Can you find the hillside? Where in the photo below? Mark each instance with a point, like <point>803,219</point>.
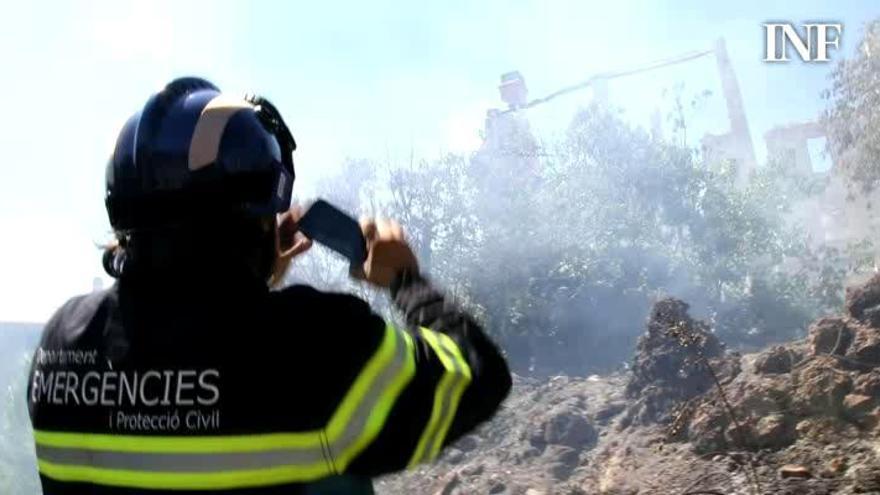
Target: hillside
<point>17,462</point>
<point>18,333</point>
<point>800,418</point>
<point>17,343</point>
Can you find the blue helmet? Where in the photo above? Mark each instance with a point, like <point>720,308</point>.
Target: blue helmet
<point>192,151</point>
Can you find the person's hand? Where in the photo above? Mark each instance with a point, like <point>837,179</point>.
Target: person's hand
<point>289,242</point>
<point>388,253</point>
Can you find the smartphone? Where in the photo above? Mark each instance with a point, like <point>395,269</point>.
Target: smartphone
<point>332,227</point>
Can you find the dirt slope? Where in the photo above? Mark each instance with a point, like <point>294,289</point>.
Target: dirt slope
<point>800,418</point>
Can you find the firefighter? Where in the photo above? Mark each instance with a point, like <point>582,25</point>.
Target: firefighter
<point>190,374</point>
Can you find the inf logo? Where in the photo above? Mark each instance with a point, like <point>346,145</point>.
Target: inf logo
<point>812,43</point>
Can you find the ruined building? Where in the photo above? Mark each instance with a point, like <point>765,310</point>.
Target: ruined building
<point>736,144</point>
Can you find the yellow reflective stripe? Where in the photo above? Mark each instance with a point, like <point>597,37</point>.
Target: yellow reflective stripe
<point>240,460</point>
<point>453,348</point>
<point>157,444</point>
<point>435,421</point>
<point>457,392</point>
<point>361,385</point>
<point>163,480</point>
<point>379,414</point>
<point>439,392</point>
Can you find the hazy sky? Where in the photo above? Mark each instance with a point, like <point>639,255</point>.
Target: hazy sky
<point>361,79</point>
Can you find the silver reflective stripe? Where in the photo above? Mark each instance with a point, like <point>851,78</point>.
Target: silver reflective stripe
<point>180,463</point>
<point>446,410</point>
<point>184,462</point>
<point>340,448</point>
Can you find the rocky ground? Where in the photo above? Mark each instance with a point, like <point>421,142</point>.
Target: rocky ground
<point>688,418</point>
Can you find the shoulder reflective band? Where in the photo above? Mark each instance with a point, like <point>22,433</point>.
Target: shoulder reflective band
<point>456,376</point>
<point>241,461</point>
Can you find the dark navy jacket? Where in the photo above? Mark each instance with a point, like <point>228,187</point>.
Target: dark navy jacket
<point>220,385</point>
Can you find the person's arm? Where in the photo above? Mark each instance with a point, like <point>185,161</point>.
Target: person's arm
<point>426,307</point>
<point>458,378</point>
<point>402,394</point>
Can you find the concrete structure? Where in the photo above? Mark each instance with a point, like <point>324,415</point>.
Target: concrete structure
<point>840,214</point>
<point>736,144</point>
<point>789,143</point>
<point>848,215</point>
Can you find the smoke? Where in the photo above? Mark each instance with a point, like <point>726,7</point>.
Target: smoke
<point>561,246</point>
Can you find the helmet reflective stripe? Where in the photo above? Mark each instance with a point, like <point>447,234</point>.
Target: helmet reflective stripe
<point>205,143</point>
<point>448,394</point>
<point>218,462</point>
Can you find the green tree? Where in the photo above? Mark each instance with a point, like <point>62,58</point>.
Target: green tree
<point>562,252</point>
<point>852,118</point>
